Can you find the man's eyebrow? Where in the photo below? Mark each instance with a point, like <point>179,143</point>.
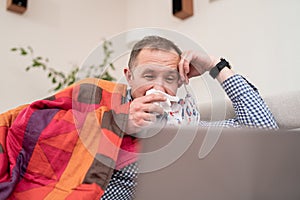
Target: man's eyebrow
<point>173,71</point>
<point>148,70</point>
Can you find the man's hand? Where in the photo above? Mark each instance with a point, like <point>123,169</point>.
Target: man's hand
<point>195,63</point>
<point>143,112</point>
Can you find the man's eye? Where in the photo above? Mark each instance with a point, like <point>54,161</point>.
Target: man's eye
<point>149,77</point>
<point>170,79</point>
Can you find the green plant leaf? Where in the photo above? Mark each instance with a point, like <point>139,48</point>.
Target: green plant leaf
<point>112,66</point>
<point>36,63</point>
<point>23,51</point>
<point>57,87</point>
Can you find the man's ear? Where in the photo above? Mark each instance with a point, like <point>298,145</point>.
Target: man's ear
<point>128,75</point>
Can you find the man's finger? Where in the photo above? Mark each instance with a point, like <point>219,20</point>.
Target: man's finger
<point>181,68</point>
<point>149,117</point>
<point>186,68</point>
<point>153,108</point>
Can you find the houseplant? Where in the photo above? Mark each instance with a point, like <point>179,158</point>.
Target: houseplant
<point>61,79</point>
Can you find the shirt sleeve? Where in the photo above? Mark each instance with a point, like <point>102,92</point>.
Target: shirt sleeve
<point>250,109</point>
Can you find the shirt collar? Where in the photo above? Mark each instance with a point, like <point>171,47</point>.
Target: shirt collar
<point>128,95</point>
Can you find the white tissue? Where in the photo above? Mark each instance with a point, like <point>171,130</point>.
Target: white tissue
<point>166,105</point>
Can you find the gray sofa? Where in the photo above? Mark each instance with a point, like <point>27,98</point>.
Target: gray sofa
<point>285,109</point>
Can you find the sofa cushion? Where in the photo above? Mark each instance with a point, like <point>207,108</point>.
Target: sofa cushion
<point>285,108</point>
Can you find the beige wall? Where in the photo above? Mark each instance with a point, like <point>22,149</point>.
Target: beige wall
<point>259,37</point>
<point>64,31</point>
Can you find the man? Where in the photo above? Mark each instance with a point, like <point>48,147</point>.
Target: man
<point>157,63</point>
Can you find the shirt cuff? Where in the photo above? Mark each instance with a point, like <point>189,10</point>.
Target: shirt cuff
<point>236,86</point>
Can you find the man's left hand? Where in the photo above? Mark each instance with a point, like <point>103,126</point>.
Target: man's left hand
<point>195,63</point>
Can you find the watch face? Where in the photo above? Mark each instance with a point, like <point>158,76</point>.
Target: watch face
<point>214,72</point>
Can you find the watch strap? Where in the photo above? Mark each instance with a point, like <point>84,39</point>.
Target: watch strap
<point>214,72</point>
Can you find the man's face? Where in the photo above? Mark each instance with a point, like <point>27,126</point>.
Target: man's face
<point>155,69</point>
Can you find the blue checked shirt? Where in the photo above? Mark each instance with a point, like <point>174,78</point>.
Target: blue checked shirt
<point>249,107</point>
<point>250,110</point>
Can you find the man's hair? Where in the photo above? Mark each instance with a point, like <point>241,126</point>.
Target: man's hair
<point>152,42</point>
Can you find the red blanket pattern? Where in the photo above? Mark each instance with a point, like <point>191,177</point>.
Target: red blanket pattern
<point>65,146</point>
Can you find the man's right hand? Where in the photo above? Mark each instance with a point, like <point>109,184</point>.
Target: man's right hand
<point>143,112</point>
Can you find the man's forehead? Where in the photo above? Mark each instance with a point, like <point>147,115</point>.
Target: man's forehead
<point>155,68</point>
<point>156,57</point>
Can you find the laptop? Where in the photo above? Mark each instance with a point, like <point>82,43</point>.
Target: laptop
<point>212,164</point>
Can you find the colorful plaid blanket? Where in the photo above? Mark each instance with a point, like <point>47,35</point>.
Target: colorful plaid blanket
<point>64,146</point>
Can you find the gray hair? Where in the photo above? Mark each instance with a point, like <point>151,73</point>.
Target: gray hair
<point>151,42</point>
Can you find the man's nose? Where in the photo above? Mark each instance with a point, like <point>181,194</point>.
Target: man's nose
<point>159,86</point>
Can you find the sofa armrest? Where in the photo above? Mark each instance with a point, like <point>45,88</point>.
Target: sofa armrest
<point>285,108</point>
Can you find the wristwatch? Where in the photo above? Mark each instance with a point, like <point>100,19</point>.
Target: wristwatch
<point>216,69</point>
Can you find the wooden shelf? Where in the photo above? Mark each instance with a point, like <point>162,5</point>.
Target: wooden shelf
<point>18,6</point>
<point>183,8</point>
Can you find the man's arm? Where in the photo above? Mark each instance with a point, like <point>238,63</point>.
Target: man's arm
<point>250,109</point>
